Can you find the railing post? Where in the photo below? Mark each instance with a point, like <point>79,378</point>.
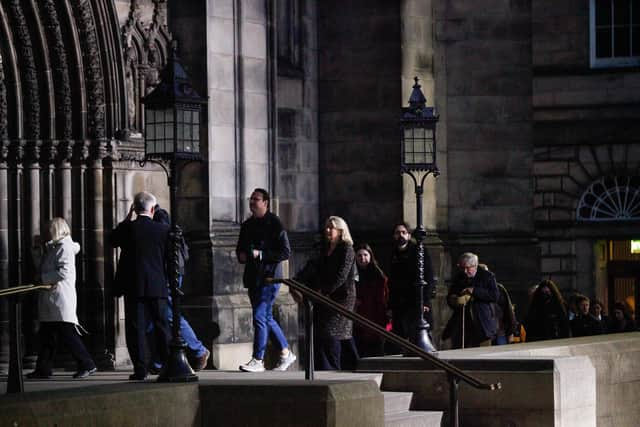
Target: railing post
<point>308,330</point>
<point>15,383</point>
<point>454,404</point>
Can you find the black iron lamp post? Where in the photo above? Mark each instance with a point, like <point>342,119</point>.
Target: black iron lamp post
<point>172,138</point>
<point>418,160</point>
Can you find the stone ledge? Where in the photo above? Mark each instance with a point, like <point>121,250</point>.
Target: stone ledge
<point>292,403</point>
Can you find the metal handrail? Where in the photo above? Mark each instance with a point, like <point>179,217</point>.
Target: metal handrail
<point>22,289</point>
<point>15,383</point>
<point>454,374</point>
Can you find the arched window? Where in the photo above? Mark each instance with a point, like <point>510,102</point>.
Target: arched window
<point>611,199</point>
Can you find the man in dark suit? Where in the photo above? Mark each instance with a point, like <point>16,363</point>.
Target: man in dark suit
<point>142,279</point>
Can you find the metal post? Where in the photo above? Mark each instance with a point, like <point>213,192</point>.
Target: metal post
<point>454,404</point>
<point>15,383</point>
<point>308,330</point>
<point>176,368</point>
<point>422,339</point>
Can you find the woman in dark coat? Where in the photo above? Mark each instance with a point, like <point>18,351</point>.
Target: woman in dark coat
<point>332,273</point>
<point>547,317</point>
<point>372,296</point>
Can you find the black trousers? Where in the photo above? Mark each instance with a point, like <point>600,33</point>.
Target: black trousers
<point>139,312</point>
<point>51,333</point>
<point>327,352</point>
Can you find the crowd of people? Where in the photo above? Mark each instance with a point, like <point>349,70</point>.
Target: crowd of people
<point>350,275</point>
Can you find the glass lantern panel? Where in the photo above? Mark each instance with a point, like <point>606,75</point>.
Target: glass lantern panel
<point>408,148</point>
<point>151,131</point>
<point>196,117</point>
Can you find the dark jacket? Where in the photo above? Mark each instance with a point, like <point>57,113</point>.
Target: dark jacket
<point>162,216</point>
<point>480,320</point>
<point>372,294</point>
<point>547,319</point>
<point>403,277</point>
<point>142,264</point>
<point>505,316</point>
<point>269,236</point>
<point>334,276</point>
<point>585,325</point>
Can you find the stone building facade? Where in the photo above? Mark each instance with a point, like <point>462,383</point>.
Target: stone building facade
<point>538,125</point>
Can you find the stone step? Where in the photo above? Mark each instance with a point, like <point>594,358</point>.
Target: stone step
<point>397,401</point>
<point>413,419</point>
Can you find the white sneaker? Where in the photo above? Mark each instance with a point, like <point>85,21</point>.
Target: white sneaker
<point>254,365</point>
<point>285,362</point>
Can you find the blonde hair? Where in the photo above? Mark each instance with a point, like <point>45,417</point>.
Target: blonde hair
<point>58,229</point>
<point>340,224</point>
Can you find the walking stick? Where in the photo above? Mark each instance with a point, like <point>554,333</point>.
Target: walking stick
<point>464,306</point>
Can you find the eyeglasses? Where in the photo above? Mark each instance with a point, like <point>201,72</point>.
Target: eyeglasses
<point>255,199</point>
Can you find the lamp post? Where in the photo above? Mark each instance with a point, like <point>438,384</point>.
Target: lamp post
<point>418,160</point>
<point>172,137</point>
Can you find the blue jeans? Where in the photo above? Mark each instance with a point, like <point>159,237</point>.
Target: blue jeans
<point>500,340</point>
<point>195,346</point>
<point>262,299</point>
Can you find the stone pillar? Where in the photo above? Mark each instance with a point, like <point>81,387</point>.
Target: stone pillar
<point>32,229</point>
<point>418,56</point>
<point>483,91</point>
<point>238,152</point>
<point>94,311</point>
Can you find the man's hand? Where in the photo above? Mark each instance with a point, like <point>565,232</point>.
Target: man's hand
<point>467,291</point>
<point>132,211</point>
<point>242,257</point>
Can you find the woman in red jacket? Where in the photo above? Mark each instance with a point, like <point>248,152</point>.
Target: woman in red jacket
<point>372,296</point>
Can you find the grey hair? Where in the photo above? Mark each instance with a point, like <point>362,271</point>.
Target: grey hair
<point>144,202</point>
<point>58,229</point>
<point>468,258</point>
<point>340,224</point>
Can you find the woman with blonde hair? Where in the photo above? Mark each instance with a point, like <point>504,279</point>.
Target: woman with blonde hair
<point>332,273</point>
<point>57,306</point>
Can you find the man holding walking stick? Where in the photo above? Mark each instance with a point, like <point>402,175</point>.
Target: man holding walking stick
<point>471,295</point>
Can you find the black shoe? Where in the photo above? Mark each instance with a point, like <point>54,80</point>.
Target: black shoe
<point>84,373</point>
<point>35,375</point>
<point>137,377</point>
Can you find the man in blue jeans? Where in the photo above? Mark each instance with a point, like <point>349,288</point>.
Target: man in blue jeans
<point>198,354</point>
<point>262,246</point>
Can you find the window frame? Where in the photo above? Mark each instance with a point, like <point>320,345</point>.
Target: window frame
<point>612,62</point>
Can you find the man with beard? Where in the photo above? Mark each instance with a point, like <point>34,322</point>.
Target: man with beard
<point>403,289</point>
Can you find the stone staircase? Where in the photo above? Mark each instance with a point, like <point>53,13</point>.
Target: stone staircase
<point>398,413</point>
<point>397,404</point>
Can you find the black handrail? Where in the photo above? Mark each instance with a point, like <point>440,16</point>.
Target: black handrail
<point>15,383</point>
<point>454,374</point>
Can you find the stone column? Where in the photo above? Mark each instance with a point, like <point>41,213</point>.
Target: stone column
<point>418,57</point>
<point>94,311</point>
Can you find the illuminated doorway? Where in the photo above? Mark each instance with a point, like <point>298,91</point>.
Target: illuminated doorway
<point>623,273</point>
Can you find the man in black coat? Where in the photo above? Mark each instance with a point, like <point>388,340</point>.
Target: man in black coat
<point>142,279</point>
<point>403,290</point>
<point>472,296</point>
<point>584,324</point>
<point>262,247</point>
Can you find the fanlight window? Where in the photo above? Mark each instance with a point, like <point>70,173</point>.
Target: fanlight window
<point>611,199</point>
